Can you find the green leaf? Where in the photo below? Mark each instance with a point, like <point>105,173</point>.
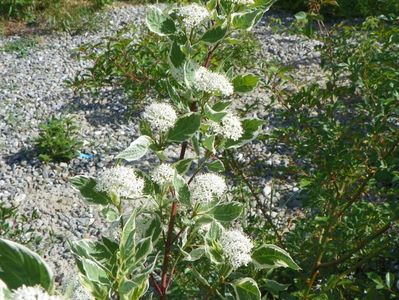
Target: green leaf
<point>377,280</point>
<point>182,190</point>
<point>195,254</point>
<point>250,127</point>
<point>176,56</point>
<point>137,149</point>
<point>195,143</point>
<point>274,287</point>
<point>127,243</point>
<point>131,289</point>
<point>95,272</point>
<point>246,20</point>
<point>245,83</point>
<point>220,106</point>
<point>215,116</point>
<point>264,4</point>
<point>145,128</point>
<point>271,257</point>
<point>226,212</point>
<point>189,73</point>
<point>140,290</point>
<point>211,4</point>
<point>173,94</point>
<point>155,229</point>
<point>209,143</point>
<point>214,35</point>
<point>110,213</point>
<point>97,290</point>
<point>21,266</point>
<point>143,249</point>
<point>226,6</point>
<point>159,23</point>
<point>215,231</point>
<point>184,128</point>
<point>216,166</point>
<point>389,279</point>
<point>86,186</point>
<point>182,166</point>
<point>246,289</point>
<point>125,288</point>
<point>199,277</point>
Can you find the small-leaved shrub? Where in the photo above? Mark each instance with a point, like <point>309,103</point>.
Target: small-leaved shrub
<point>58,140</point>
<point>344,136</point>
<point>345,8</point>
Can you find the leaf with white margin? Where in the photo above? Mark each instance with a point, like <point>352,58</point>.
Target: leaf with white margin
<point>137,149</point>
<point>271,257</point>
<point>246,289</point>
<point>159,23</point>
<point>21,266</point>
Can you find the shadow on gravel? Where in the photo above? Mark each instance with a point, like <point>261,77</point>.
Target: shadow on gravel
<point>25,156</point>
<point>105,107</point>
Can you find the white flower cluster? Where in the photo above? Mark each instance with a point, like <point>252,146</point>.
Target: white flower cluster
<point>230,127</point>
<point>193,15</point>
<point>207,186</point>
<point>236,247</point>
<point>121,181</point>
<point>32,293</point>
<point>211,82</point>
<point>3,287</point>
<point>243,2</point>
<point>163,174</point>
<point>160,116</point>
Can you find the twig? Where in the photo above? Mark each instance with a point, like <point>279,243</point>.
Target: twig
<point>168,248</point>
<point>359,247</point>
<point>259,203</point>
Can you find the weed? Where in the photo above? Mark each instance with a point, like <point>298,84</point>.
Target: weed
<point>58,140</point>
<point>21,46</point>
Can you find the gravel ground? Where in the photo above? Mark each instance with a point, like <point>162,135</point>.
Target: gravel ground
<point>32,88</point>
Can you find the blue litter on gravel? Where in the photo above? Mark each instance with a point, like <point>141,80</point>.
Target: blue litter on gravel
<point>86,156</point>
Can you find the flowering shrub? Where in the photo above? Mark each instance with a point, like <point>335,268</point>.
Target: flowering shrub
<point>178,220</point>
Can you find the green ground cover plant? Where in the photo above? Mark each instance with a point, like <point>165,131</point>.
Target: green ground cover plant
<point>20,46</point>
<point>58,140</point>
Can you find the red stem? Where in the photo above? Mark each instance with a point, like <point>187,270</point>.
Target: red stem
<point>168,248</point>
<point>163,287</point>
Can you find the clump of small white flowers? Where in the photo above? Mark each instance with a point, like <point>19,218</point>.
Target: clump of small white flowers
<point>160,116</point>
<point>230,127</point>
<point>193,15</point>
<point>207,186</point>
<point>163,174</point>
<point>32,293</point>
<point>236,247</point>
<point>243,2</point>
<point>3,287</point>
<point>121,181</point>
<point>211,82</point>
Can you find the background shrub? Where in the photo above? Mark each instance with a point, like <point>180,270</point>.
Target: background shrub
<point>346,8</point>
<point>346,148</point>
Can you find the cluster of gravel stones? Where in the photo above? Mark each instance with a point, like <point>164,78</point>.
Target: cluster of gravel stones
<point>32,88</point>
